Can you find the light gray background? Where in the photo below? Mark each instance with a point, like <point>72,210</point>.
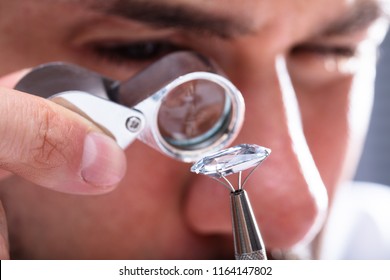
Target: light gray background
<point>375,162</point>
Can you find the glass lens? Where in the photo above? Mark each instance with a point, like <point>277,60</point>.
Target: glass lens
<point>193,113</point>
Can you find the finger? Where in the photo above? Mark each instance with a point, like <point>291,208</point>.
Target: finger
<point>54,147</point>
<point>10,81</point>
<point>4,245</point>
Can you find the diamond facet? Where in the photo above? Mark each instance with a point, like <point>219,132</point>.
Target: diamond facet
<point>231,160</point>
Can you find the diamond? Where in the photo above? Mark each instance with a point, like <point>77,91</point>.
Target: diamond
<point>248,243</point>
<point>231,160</point>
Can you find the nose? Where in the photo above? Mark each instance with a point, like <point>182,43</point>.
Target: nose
<point>287,194</point>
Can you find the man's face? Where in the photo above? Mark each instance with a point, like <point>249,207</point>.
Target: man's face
<point>161,210</point>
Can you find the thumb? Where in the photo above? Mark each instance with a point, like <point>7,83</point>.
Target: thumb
<point>55,147</point>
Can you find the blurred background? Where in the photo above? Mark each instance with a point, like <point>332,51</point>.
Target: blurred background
<point>375,162</point>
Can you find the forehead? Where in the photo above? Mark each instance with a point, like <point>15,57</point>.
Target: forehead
<point>244,15</point>
<point>286,21</point>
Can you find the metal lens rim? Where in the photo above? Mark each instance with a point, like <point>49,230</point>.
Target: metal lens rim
<point>216,141</point>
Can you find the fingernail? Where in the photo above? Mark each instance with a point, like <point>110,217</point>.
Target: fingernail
<point>103,163</point>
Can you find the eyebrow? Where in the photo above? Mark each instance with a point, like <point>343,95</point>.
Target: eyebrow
<point>359,17</point>
<point>183,16</point>
<point>165,15</point>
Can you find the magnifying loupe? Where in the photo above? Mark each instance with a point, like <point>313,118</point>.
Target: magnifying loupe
<point>180,105</point>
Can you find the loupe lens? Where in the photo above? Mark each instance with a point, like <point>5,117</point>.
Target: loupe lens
<point>193,113</point>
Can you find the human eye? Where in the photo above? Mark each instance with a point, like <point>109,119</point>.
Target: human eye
<point>134,52</point>
<point>324,58</point>
<point>323,62</point>
<point>324,51</point>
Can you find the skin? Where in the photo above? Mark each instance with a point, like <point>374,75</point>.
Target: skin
<point>150,206</point>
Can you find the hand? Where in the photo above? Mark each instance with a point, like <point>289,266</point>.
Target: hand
<point>53,147</point>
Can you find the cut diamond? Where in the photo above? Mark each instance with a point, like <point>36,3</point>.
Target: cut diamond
<point>231,160</point>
